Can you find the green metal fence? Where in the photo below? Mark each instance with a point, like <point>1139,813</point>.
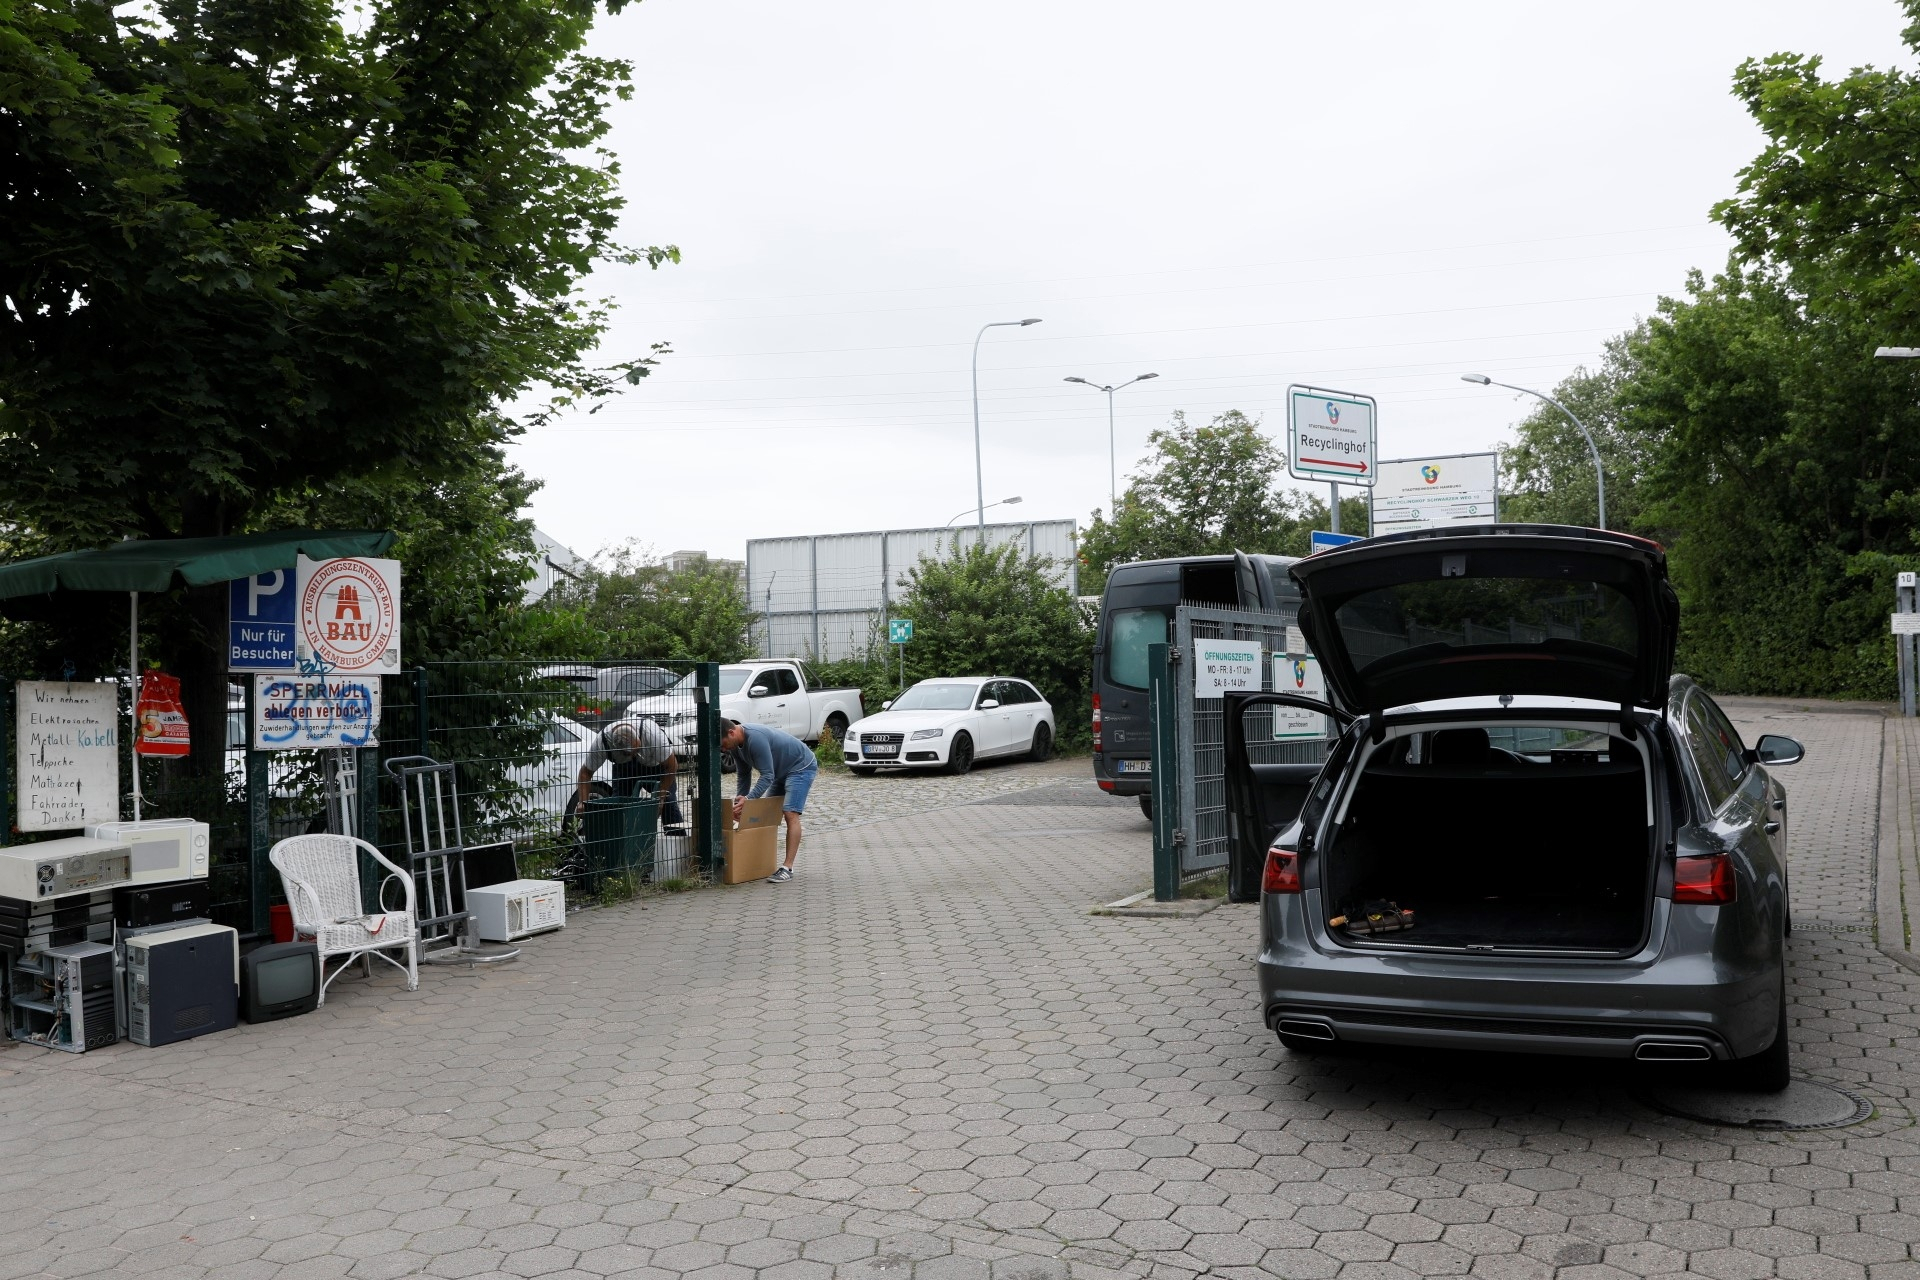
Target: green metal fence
<point>519,734</point>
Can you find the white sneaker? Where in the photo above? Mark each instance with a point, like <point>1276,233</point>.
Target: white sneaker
<point>781,876</point>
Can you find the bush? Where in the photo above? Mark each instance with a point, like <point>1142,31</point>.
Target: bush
<point>827,754</point>
<point>995,611</point>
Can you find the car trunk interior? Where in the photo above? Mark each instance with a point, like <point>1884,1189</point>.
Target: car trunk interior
<point>1493,848</point>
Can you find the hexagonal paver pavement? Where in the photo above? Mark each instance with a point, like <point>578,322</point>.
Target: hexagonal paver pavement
<point>924,1060</point>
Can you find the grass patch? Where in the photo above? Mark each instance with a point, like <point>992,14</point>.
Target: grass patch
<point>1211,885</point>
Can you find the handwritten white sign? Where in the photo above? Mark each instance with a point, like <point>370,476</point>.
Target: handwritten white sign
<point>66,761</point>
<point>304,712</point>
<point>1226,666</point>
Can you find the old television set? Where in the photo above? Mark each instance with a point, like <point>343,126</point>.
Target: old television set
<point>279,980</point>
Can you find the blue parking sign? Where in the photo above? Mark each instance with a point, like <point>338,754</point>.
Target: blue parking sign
<point>260,622</point>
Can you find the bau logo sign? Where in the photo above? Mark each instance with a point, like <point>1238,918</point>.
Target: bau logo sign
<point>1430,474</point>
<point>349,614</point>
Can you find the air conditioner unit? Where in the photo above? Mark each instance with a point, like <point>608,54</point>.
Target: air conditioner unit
<point>511,911</point>
<point>164,849</point>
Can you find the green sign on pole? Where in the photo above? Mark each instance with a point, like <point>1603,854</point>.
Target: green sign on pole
<point>900,631</point>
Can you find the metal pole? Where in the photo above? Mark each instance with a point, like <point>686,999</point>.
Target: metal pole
<point>133,699</point>
<point>979,474</point>
<point>1113,483</point>
<point>1336,506</point>
<point>1904,647</point>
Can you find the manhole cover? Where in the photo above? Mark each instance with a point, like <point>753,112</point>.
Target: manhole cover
<point>1804,1104</point>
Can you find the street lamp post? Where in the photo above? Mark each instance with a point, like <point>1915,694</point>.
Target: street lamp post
<point>1113,501</point>
<point>1004,502</point>
<point>979,475</point>
<point>1599,472</point>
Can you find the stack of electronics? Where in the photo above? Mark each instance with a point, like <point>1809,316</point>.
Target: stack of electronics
<point>106,935</point>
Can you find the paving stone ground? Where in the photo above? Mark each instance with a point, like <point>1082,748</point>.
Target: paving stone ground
<point>842,799</point>
<point>923,1060</point>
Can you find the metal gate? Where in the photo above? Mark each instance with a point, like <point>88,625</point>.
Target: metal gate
<point>1190,824</point>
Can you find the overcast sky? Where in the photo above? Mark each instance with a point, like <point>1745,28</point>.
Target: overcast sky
<point>1234,195</point>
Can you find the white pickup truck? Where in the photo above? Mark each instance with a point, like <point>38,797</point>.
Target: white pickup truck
<point>780,694</point>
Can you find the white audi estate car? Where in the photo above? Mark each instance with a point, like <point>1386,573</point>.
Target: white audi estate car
<point>949,724</point>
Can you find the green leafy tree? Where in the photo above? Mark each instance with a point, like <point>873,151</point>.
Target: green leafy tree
<point>996,611</point>
<point>1782,476</point>
<point>466,554</point>
<point>1204,490</point>
<point>698,613</point>
<point>254,250</point>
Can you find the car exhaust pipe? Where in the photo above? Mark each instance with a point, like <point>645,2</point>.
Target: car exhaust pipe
<point>1672,1051</point>
<point>1304,1029</point>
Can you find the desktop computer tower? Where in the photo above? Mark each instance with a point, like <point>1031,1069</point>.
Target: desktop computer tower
<point>182,983</point>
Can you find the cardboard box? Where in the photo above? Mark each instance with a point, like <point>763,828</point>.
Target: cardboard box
<point>753,846</point>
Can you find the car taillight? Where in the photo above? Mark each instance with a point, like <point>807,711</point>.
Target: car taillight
<point>1706,879</point>
<point>1096,722</point>
<point>1283,871</point>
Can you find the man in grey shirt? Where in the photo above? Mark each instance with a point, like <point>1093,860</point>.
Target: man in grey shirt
<point>641,755</point>
<point>787,769</point>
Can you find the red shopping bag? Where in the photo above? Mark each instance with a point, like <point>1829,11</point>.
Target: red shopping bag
<point>160,719</point>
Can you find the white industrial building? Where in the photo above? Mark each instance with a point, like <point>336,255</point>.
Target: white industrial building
<point>552,562</point>
<point>828,596</point>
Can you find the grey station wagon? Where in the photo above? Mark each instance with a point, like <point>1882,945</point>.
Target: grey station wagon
<point>1529,834</point>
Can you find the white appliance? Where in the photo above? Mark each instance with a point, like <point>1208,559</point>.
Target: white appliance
<point>56,868</point>
<point>163,848</point>
<point>511,911</point>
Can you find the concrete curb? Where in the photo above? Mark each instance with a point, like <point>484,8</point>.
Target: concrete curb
<point>1142,906</point>
<point>1896,867</point>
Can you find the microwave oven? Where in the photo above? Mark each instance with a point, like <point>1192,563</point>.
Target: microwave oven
<point>163,848</point>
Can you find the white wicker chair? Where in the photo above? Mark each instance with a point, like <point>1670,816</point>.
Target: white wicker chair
<point>321,874</point>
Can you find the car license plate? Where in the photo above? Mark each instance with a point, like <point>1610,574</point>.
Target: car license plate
<point>887,749</point>
<point>1136,766</point>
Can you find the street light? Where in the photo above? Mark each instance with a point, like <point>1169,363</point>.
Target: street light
<point>979,476</point>
<point>1112,485</point>
<point>1599,474</point>
<point>1896,353</point>
<point>1004,502</point>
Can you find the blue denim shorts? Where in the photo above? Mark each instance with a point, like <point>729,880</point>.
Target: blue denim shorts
<point>793,789</point>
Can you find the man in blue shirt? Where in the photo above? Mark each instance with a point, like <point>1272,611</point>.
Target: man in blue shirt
<point>787,769</point>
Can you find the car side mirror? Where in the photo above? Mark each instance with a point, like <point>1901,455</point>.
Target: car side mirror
<point>886,704</point>
<point>988,704</point>
<point>1774,748</point>
<point>758,691</point>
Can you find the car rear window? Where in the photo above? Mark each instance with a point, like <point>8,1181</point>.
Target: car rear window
<point>1129,632</point>
<point>1464,613</point>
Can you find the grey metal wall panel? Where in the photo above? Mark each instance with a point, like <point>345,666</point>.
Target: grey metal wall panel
<point>784,567</point>
<point>825,595</point>
<point>850,571</point>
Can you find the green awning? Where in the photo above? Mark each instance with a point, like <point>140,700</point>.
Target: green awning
<point>161,564</point>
